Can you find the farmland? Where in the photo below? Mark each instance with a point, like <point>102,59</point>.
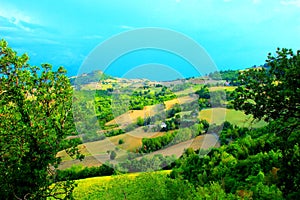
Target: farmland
<point>97,152</point>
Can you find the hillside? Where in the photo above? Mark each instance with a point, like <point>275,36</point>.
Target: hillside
<point>192,129</point>
<point>172,104</point>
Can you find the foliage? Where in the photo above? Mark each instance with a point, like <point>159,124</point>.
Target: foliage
<point>153,144</point>
<point>154,185</point>
<point>230,76</point>
<point>171,138</point>
<point>180,87</point>
<point>121,141</point>
<point>35,119</point>
<point>91,77</point>
<point>140,121</point>
<point>146,164</point>
<point>78,172</point>
<point>175,109</point>
<point>258,163</point>
<point>114,132</point>
<point>271,93</point>
<point>130,127</point>
<point>112,155</point>
<point>141,98</point>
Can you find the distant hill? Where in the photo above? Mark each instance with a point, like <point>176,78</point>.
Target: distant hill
<point>94,76</point>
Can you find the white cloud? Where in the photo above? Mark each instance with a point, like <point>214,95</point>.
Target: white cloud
<point>290,2</point>
<point>127,27</point>
<point>16,17</point>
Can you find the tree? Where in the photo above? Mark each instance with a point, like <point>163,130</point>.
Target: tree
<point>35,119</point>
<point>113,155</point>
<point>121,141</point>
<point>271,93</point>
<point>140,121</point>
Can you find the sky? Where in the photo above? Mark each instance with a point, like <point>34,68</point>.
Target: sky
<point>235,34</point>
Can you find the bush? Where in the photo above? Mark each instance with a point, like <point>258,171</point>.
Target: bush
<point>121,141</point>
<point>113,155</point>
<point>130,127</point>
<point>140,121</point>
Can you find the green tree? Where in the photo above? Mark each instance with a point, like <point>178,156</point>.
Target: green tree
<point>271,93</point>
<point>121,141</point>
<point>140,121</point>
<point>35,119</point>
<point>112,155</point>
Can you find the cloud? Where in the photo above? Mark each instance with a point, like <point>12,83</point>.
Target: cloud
<point>127,27</point>
<point>290,3</point>
<point>17,18</point>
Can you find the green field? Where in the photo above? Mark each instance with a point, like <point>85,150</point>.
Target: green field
<point>115,187</point>
<point>220,115</point>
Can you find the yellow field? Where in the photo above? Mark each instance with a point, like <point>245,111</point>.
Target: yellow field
<point>181,100</point>
<point>96,152</point>
<point>131,116</point>
<point>227,88</point>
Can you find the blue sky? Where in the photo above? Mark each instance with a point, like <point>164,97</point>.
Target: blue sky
<point>235,33</point>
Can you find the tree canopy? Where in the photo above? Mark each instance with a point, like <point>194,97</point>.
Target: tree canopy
<point>271,93</point>
<point>35,120</point>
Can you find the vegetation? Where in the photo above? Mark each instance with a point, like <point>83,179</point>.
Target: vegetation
<point>260,163</point>
<point>257,157</point>
<point>91,77</point>
<point>142,98</point>
<point>231,76</point>
<point>35,119</point>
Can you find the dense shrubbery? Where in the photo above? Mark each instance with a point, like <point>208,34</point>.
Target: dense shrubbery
<point>114,132</point>
<point>230,133</point>
<point>151,163</point>
<point>153,144</point>
<point>154,163</point>
<point>250,164</point>
<point>79,172</point>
